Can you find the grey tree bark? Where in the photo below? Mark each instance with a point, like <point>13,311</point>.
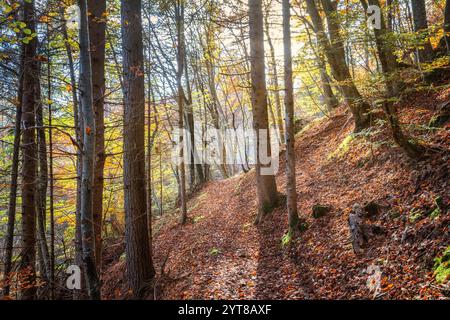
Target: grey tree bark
<point>330,99</point>
<point>335,53</point>
<point>214,106</point>
<point>42,184</point>
<point>388,67</point>
<point>386,55</point>
<point>78,294</point>
<point>50,173</point>
<point>12,204</point>
<point>87,107</point>
<point>179,19</point>
<point>275,82</point>
<point>149,188</point>
<point>266,186</point>
<point>291,190</point>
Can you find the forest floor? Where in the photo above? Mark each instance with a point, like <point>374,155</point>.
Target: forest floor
<point>221,254</point>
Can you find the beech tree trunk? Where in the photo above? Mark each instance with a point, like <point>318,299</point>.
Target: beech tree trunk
<point>179,19</point>
<point>149,189</point>
<point>214,105</point>
<point>329,98</point>
<point>388,67</point>
<point>189,121</point>
<point>266,185</point>
<point>421,25</point>
<point>291,190</point>
<point>42,184</point>
<point>97,37</point>
<point>193,167</point>
<point>87,107</point>
<point>139,263</point>
<point>328,95</point>
<point>335,53</point>
<point>276,86</point>
<point>29,166</point>
<point>51,176</point>
<point>386,55</point>
<point>9,239</point>
<point>78,122</point>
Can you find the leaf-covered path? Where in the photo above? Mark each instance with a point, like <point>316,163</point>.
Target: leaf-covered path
<point>221,254</point>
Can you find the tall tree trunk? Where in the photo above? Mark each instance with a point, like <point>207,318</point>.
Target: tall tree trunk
<point>388,60</point>
<point>179,19</point>
<point>86,102</point>
<point>189,121</point>
<point>272,118</point>
<point>330,99</point>
<point>97,37</point>
<point>446,36</point>
<point>273,62</point>
<point>421,26</point>
<point>291,190</point>
<point>9,239</point>
<point>203,115</point>
<point>266,185</point>
<point>149,162</point>
<point>138,259</point>
<point>79,129</point>
<point>334,51</point>
<point>29,166</point>
<point>51,178</point>
<point>193,167</point>
<point>388,67</point>
<point>42,151</point>
<point>42,184</point>
<point>150,101</point>
<point>214,106</point>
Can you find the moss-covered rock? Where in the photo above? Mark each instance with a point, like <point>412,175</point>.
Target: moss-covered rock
<point>416,215</point>
<point>437,209</point>
<point>319,211</point>
<point>442,267</point>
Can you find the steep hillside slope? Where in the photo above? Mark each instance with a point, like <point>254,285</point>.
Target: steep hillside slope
<point>220,254</point>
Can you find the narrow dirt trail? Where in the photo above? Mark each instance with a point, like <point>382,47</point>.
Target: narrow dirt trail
<point>230,257</point>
